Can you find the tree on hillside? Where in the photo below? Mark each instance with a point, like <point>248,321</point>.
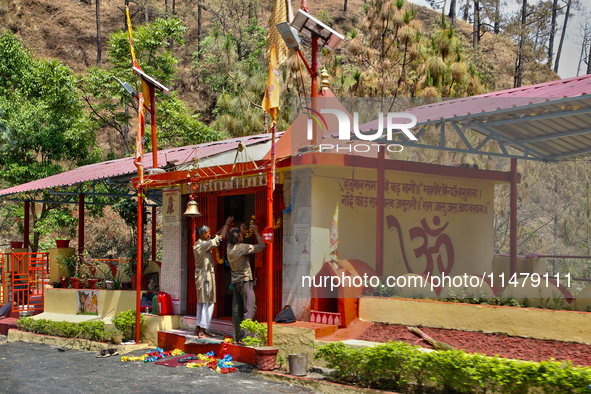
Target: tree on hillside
<point>231,62</point>
<point>522,35</point>
<point>452,13</point>
<point>530,29</point>
<point>107,100</point>
<point>584,36</point>
<point>98,33</point>
<point>552,32</point>
<point>238,78</point>
<point>564,25</point>
<point>466,10</point>
<point>389,44</point>
<point>45,129</point>
<point>235,17</point>
<point>405,61</point>
<point>553,213</point>
<point>476,25</point>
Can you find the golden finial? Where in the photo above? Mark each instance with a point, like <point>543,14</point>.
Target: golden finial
<point>324,78</point>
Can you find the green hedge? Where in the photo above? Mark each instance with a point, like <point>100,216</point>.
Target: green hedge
<point>402,367</point>
<point>92,330</point>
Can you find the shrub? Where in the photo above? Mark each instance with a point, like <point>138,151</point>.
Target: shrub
<point>398,366</point>
<point>92,330</point>
<point>125,322</point>
<point>256,333</point>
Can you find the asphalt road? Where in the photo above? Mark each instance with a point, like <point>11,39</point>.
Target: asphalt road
<point>35,368</point>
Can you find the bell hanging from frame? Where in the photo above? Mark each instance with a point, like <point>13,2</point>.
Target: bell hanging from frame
<point>193,210</point>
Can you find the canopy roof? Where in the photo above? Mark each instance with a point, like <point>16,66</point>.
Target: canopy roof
<point>545,122</point>
<point>548,121</point>
<point>116,175</point>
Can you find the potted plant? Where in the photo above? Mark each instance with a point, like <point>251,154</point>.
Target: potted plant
<point>69,262</point>
<point>62,243</point>
<point>116,283</point>
<point>93,266</point>
<point>79,280</point>
<point>16,244</point>
<point>257,338</point>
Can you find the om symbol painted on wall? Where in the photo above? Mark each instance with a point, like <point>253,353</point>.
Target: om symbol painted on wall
<point>445,259</point>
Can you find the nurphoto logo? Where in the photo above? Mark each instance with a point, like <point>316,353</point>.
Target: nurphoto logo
<point>394,121</point>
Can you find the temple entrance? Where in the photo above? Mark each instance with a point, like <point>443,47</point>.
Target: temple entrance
<point>242,208</point>
<point>216,207</point>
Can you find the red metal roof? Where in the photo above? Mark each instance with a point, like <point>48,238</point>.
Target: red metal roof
<point>125,166</point>
<point>500,100</point>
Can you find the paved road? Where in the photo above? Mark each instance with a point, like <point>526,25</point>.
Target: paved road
<point>35,368</point>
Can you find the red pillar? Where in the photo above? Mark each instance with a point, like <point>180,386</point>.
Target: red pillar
<point>381,175</point>
<point>153,121</point>
<point>154,233</point>
<point>138,272</point>
<point>270,260</point>
<point>80,224</point>
<point>513,219</point>
<point>26,226</point>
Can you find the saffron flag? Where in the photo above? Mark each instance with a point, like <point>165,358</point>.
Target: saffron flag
<point>334,238</point>
<point>134,63</point>
<point>139,139</point>
<point>271,100</point>
<point>133,60</point>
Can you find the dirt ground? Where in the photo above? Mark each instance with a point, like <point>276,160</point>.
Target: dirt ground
<point>488,344</point>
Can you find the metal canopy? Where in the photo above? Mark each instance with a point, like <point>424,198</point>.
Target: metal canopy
<point>104,183</point>
<point>546,122</point>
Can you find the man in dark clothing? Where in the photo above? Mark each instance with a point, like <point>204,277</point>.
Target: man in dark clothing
<point>243,299</point>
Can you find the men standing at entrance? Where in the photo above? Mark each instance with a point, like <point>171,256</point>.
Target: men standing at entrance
<point>205,275</point>
<point>243,300</point>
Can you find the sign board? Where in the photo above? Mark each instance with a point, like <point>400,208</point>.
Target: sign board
<point>267,235</point>
<point>170,273</point>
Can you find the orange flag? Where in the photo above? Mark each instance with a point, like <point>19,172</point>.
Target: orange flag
<point>139,139</point>
<point>271,100</point>
<point>134,63</point>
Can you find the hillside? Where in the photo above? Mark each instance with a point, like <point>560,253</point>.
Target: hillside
<point>67,31</point>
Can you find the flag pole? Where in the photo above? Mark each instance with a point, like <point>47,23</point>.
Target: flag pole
<point>138,273</point>
<point>271,105</point>
<point>270,188</point>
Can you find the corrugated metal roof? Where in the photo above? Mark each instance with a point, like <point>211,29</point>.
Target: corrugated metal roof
<point>500,100</point>
<point>126,169</point>
<point>551,120</point>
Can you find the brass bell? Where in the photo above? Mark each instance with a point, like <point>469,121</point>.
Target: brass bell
<point>193,210</point>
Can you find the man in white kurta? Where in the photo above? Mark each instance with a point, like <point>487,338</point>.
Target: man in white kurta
<point>205,275</point>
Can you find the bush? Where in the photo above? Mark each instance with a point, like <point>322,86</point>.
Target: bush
<point>92,330</point>
<point>258,332</point>
<point>401,367</point>
<point>125,322</point>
